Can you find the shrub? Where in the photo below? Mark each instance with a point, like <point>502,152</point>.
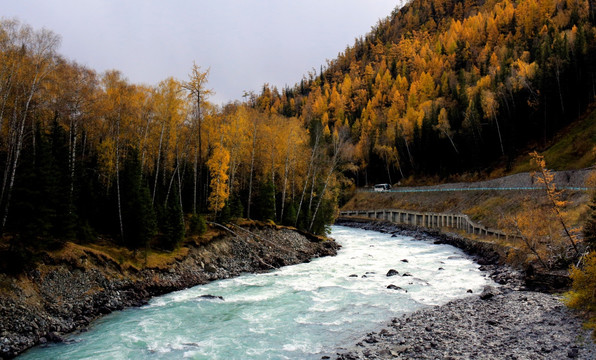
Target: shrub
<point>583,290</point>
<point>197,224</point>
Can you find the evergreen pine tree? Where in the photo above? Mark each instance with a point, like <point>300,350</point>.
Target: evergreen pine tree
<point>91,201</point>
<point>265,206</point>
<point>290,214</point>
<point>236,208</point>
<point>197,224</point>
<point>33,211</point>
<point>225,215</point>
<point>138,215</point>
<point>324,217</point>
<point>172,223</point>
<point>58,182</point>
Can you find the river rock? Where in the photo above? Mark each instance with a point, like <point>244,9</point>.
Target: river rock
<point>211,297</point>
<point>488,293</point>
<point>392,272</point>
<point>395,287</point>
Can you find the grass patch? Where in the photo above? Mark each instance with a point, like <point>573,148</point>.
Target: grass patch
<point>572,148</point>
<point>163,260</point>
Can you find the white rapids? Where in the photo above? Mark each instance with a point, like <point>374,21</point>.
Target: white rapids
<point>303,311</point>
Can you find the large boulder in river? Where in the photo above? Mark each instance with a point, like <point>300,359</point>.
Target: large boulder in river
<point>395,287</point>
<point>392,272</point>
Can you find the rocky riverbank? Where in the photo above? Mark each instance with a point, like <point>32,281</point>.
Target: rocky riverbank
<point>61,296</point>
<point>495,325</point>
<point>508,322</point>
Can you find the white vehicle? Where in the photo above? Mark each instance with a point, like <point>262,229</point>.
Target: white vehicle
<point>382,187</point>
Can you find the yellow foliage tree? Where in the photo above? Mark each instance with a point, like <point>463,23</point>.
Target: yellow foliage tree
<point>218,165</point>
<point>546,177</point>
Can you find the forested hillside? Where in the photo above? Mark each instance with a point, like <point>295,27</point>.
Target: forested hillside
<point>442,87</point>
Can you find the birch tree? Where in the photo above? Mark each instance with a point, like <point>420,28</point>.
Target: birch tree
<point>198,93</point>
<point>38,57</point>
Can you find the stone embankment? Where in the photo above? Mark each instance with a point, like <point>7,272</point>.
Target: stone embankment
<point>511,321</point>
<point>58,297</point>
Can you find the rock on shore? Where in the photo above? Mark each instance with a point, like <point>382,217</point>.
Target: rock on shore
<point>58,297</point>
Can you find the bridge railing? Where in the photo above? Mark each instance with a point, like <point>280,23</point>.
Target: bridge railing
<point>456,189</point>
<point>429,220</point>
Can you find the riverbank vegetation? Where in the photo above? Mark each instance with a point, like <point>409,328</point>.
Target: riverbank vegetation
<point>583,292</point>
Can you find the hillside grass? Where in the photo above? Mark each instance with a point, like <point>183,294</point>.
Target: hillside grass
<point>574,147</point>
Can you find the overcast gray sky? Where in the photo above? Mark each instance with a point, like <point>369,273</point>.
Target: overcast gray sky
<point>246,43</point>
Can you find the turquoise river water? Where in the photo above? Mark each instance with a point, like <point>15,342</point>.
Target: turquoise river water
<point>303,311</point>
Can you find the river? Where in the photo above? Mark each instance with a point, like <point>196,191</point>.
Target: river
<point>303,311</point>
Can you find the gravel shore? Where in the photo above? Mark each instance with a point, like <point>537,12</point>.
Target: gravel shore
<point>506,325</point>
<point>504,322</point>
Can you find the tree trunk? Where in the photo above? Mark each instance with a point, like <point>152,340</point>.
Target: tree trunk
<point>144,143</point>
<point>194,190</point>
<point>314,215</point>
<point>310,166</point>
<point>559,85</point>
<point>312,188</point>
<point>285,185</point>
<point>163,126</point>
<point>452,143</point>
<point>19,144</point>
<point>388,171</point>
<point>73,150</point>
<point>409,153</point>
<point>252,166</point>
<point>500,138</point>
<point>273,184</point>
<point>118,177</point>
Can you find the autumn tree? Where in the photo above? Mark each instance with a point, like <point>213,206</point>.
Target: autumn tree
<point>218,165</point>
<point>198,93</point>
<point>545,177</point>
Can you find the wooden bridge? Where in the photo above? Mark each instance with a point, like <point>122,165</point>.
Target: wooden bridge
<point>429,220</point>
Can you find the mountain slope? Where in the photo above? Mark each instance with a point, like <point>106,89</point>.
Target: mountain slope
<point>574,147</point>
<point>442,87</point>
